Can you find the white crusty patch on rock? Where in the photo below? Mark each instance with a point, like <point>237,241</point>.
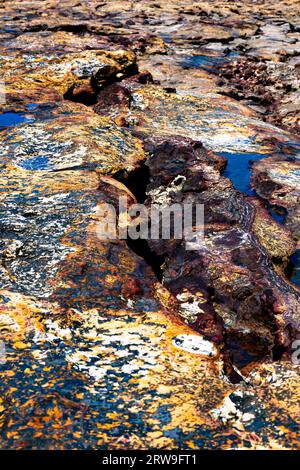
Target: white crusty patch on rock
<point>195,344</point>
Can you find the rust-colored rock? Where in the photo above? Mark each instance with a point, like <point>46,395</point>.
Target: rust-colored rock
<point>108,344</point>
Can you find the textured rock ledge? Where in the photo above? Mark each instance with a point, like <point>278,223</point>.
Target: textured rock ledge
<point>100,354</point>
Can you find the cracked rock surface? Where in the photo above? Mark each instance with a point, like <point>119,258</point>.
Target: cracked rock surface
<point>108,344</point>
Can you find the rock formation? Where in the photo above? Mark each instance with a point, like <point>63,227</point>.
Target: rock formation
<point>128,344</point>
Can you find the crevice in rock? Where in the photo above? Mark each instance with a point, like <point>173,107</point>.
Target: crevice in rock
<point>137,182</point>
<point>203,42</point>
<point>70,28</point>
<point>278,352</point>
<point>80,28</point>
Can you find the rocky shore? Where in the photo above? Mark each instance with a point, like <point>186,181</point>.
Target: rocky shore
<point>143,344</point>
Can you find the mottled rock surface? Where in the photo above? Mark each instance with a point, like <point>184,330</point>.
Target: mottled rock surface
<point>108,344</point>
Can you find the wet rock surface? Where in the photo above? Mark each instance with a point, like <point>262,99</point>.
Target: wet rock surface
<point>109,344</point>
<point>277,180</point>
<point>231,280</point>
<point>270,87</point>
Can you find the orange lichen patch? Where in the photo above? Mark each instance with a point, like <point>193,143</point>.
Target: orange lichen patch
<point>56,41</point>
<point>117,184</point>
<point>277,391</point>
<point>281,388</point>
<point>97,269</point>
<point>46,182</point>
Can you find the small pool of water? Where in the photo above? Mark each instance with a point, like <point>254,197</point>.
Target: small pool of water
<point>238,169</point>
<point>278,213</point>
<point>32,106</point>
<point>293,270</point>
<point>13,119</point>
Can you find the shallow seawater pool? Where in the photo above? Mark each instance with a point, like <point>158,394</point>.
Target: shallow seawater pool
<point>238,169</point>
<point>13,119</point>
